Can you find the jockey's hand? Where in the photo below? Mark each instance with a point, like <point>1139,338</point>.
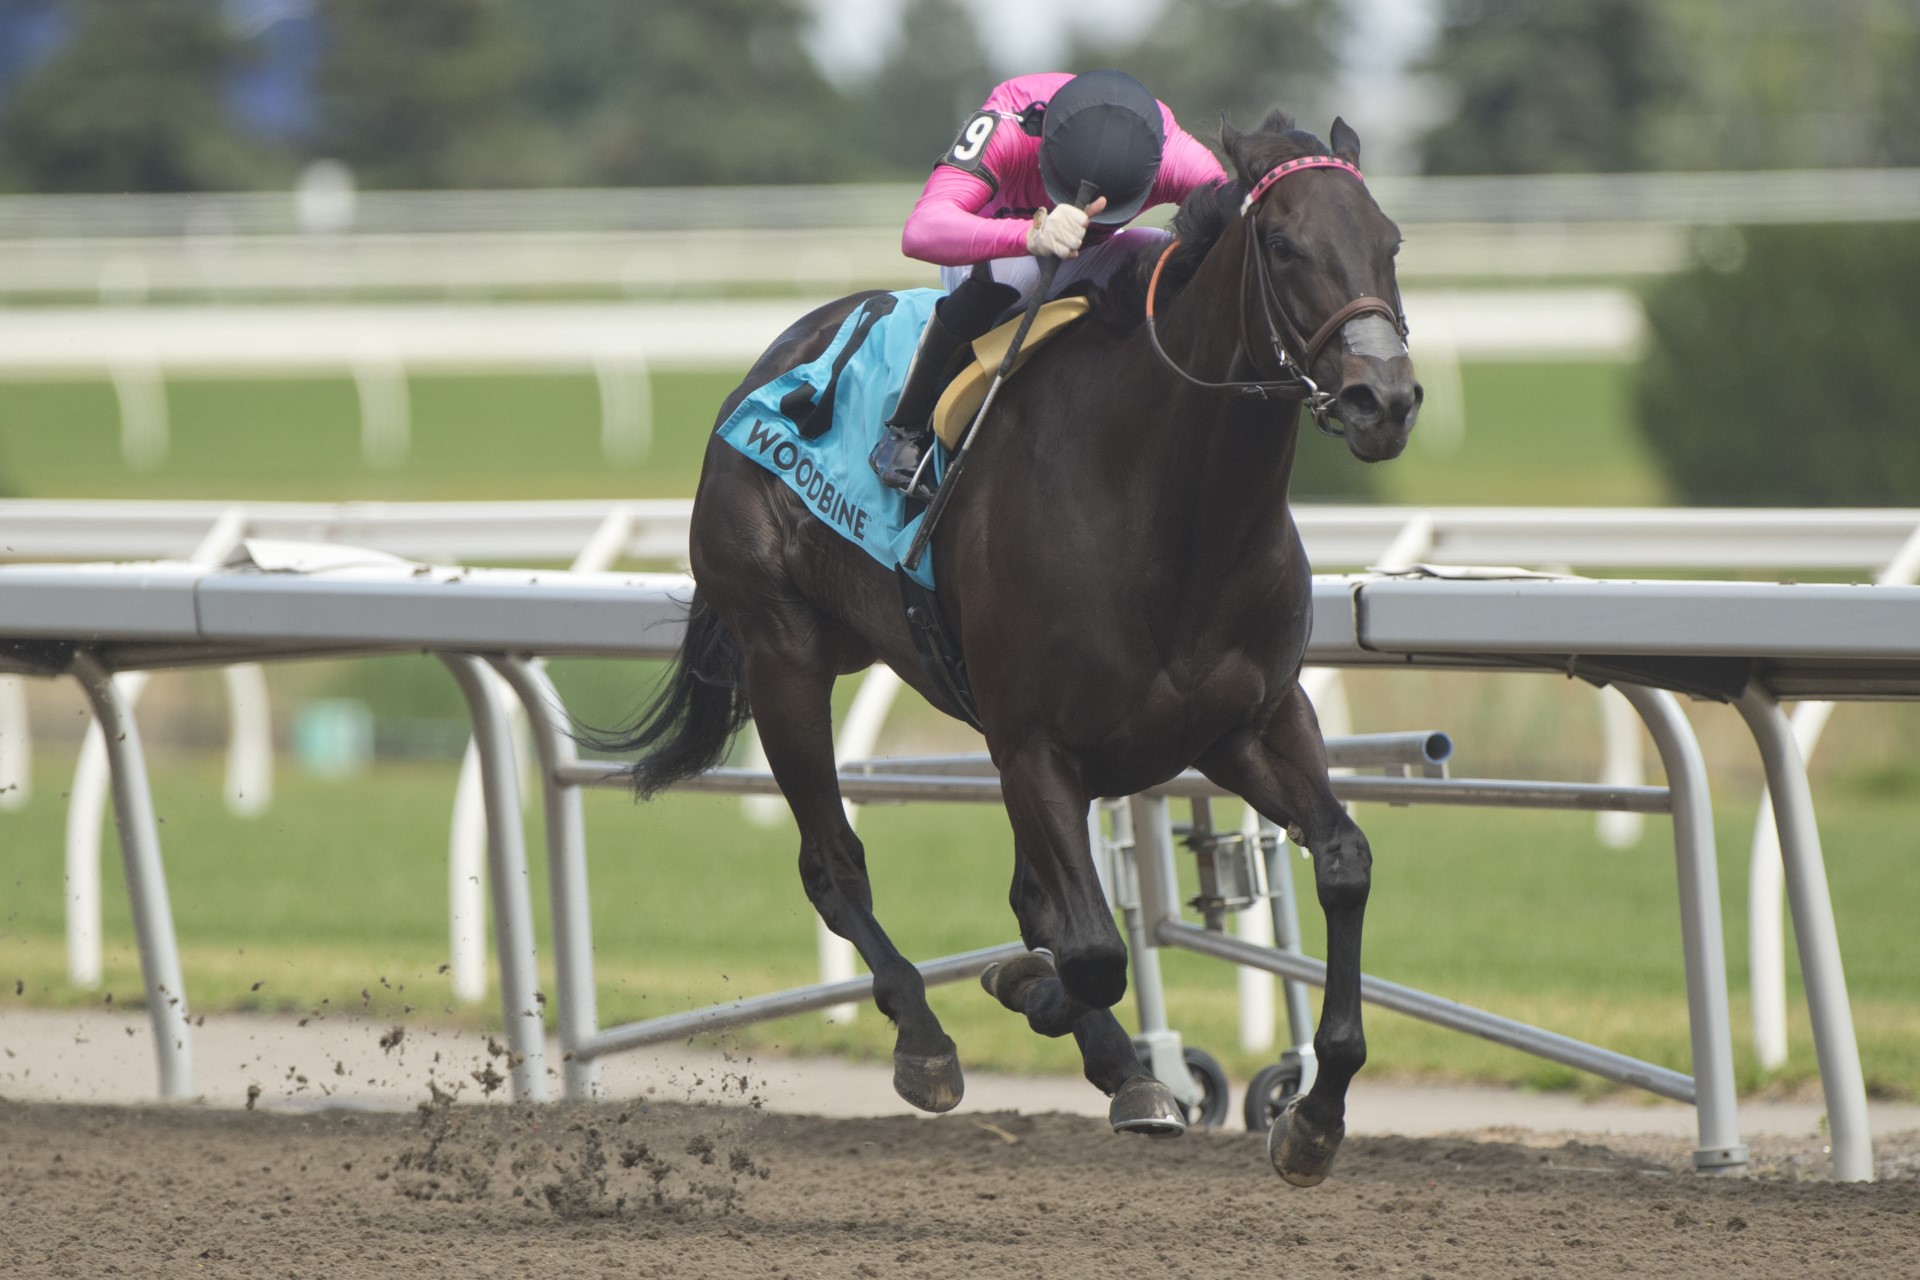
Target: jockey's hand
<point>1058,233</point>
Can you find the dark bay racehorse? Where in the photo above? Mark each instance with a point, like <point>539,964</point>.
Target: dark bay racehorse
<point>1128,590</point>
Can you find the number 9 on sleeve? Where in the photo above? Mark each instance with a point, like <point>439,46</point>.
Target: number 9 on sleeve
<point>970,148</point>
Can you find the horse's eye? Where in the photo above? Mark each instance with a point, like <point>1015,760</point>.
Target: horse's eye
<point>1282,249</point>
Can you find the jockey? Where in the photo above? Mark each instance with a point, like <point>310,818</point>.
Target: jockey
<point>998,201</point>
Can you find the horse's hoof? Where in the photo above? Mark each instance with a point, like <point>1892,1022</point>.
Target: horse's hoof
<point>1145,1106</point>
<point>930,1082</point>
<point>1302,1153</point>
<point>1009,980</point>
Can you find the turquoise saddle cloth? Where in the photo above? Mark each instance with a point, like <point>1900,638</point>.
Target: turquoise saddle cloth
<point>815,425</point>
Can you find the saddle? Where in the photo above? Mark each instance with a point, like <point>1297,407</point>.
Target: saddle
<point>954,412</point>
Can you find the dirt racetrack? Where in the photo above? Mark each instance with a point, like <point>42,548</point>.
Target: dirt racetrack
<point>671,1189</point>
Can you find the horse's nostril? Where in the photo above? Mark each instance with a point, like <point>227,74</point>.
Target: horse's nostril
<point>1360,401</point>
<point>1419,395</point>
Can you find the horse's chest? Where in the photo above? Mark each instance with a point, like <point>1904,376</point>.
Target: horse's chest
<point>1228,690</point>
<point>1132,735</point>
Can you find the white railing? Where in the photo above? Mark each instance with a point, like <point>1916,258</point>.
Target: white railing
<point>1877,544</point>
<point>379,344</point>
<point>1819,639</point>
<point>1709,198</point>
<point>825,238</point>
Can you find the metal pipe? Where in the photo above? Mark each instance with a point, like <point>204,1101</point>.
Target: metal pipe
<point>1286,936</point>
<point>166,991</point>
<point>466,883</point>
<point>1447,1013</point>
<point>16,744</point>
<point>1621,765</point>
<point>1157,887</point>
<point>1813,929</point>
<point>507,859</point>
<point>881,787</point>
<point>1414,749</point>
<point>1702,946</point>
<point>678,1026</point>
<point>577,1007</point>
<point>1151,841</point>
<point>250,741</point>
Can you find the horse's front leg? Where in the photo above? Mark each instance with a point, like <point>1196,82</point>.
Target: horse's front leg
<point>1057,899</point>
<point>1282,773</point>
<point>791,699</point>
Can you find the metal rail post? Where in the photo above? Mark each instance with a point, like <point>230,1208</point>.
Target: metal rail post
<point>507,869</point>
<point>166,992</point>
<point>1285,906</point>
<point>16,744</point>
<point>466,862</point>
<point>249,741</point>
<point>577,1007</point>
<point>1701,943</point>
<point>1155,898</point>
<point>1813,929</point>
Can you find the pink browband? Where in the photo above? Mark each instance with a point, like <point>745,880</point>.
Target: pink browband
<point>1304,162</point>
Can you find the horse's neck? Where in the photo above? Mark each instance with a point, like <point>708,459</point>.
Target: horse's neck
<point>1227,455</point>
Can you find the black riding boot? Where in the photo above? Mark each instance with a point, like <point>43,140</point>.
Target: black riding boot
<point>957,320</point>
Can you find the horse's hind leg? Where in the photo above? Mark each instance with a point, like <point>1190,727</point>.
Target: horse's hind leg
<point>791,698</point>
<point>1056,897</point>
<point>1283,774</point>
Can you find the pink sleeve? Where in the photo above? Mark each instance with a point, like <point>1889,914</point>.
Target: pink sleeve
<point>1185,166</point>
<point>946,228</point>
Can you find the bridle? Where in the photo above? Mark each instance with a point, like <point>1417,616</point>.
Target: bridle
<point>1296,382</point>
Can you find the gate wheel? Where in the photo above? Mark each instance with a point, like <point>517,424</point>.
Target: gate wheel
<point>1216,1095</point>
<point>1267,1094</point>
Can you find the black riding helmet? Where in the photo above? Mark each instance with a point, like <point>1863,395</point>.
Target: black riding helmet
<point>1102,127</point>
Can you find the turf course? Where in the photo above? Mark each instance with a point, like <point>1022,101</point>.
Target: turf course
<point>341,889</point>
<point>1540,434</point>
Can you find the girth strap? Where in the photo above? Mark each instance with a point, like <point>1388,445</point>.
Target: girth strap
<point>938,652</point>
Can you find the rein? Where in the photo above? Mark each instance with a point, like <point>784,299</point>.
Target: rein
<point>1296,382</point>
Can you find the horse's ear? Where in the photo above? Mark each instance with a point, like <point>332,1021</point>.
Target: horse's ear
<point>1233,142</point>
<point>1346,143</point>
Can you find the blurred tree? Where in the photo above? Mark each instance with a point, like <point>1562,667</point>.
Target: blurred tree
<point>130,102</point>
<point>1731,421</point>
<point>1779,84</point>
<point>933,80</point>
<point>1237,58</point>
<point>1607,85</point>
<point>682,91</point>
<point>421,93</point>
<point>1574,86</point>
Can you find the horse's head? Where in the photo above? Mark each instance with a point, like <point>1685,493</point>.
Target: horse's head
<point>1320,265</point>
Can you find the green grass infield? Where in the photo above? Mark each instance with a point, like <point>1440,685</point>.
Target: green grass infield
<point>337,897</point>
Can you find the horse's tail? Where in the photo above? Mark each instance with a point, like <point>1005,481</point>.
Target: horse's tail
<point>693,716</point>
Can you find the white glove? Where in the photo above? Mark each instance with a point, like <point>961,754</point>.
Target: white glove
<point>1057,233</point>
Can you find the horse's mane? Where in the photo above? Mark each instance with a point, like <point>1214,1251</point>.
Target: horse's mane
<point>1203,218</point>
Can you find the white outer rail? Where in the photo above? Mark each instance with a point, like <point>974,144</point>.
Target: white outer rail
<point>1883,543</point>
<point>378,344</point>
<point>662,240</point>
<point>1801,640</point>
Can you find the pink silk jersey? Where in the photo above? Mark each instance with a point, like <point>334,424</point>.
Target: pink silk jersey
<point>982,195</point>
